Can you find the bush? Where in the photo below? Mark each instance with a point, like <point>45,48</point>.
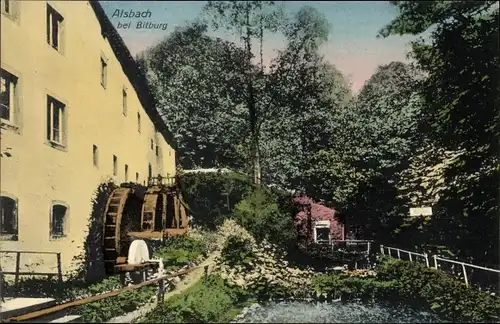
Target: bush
<point>417,286</point>
<point>212,301</point>
<point>434,289</point>
<point>261,215</point>
<point>212,196</point>
<point>107,308</point>
<point>180,251</point>
<point>238,251</point>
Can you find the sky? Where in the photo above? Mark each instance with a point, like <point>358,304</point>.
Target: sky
<point>352,45</point>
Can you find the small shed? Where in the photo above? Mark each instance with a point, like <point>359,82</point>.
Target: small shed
<point>316,222</point>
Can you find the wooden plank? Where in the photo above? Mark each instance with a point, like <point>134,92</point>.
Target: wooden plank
<point>158,234</point>
<point>27,252</point>
<point>135,267</point>
<point>94,298</point>
<point>21,273</point>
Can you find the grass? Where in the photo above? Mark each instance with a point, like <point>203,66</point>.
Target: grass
<point>210,301</point>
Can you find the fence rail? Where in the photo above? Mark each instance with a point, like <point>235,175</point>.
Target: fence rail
<point>17,273</point>
<point>436,260</point>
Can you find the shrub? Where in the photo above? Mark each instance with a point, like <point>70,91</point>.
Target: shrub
<point>238,251</point>
<point>434,289</point>
<point>261,215</point>
<point>180,251</point>
<point>107,308</point>
<point>212,301</point>
<point>212,196</point>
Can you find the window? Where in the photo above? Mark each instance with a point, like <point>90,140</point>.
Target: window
<point>6,6</point>
<point>54,27</point>
<point>170,152</point>
<point>115,165</point>
<point>137,177</point>
<point>8,218</point>
<point>150,171</point>
<point>8,84</point>
<point>124,102</point>
<point>9,7</point>
<point>152,144</point>
<point>126,173</point>
<point>58,220</point>
<point>157,151</point>
<point>95,155</point>
<point>139,122</point>
<point>56,121</point>
<point>104,72</point>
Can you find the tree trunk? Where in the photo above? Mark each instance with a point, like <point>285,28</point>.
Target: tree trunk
<point>254,144</point>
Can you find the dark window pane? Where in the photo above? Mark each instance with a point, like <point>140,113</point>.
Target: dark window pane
<point>4,97</point>
<point>8,216</point>
<point>58,218</point>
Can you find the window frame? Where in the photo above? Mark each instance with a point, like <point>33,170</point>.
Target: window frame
<point>104,65</point>
<point>13,12</point>
<point>52,13</point>
<point>126,172</point>
<point>12,81</point>
<point>15,235</point>
<point>95,155</point>
<point>124,102</point>
<point>139,122</point>
<point>115,165</point>
<point>51,102</point>
<point>65,226</point>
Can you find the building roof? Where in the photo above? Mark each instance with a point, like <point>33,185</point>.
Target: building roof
<point>135,75</point>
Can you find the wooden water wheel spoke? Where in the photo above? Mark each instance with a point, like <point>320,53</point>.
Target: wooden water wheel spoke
<point>149,212</point>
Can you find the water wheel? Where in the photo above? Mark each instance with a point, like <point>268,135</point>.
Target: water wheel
<point>118,220</point>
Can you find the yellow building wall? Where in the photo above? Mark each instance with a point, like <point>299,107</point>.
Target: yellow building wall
<point>37,173</point>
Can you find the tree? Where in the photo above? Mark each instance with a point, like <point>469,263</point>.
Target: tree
<point>373,139</point>
<point>460,114</point>
<point>198,84</point>
<point>249,19</point>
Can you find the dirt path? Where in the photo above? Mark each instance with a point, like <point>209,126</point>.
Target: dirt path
<point>188,281</point>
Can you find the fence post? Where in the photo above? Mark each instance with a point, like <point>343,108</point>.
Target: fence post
<point>1,286</point>
<point>206,273</point>
<point>161,291</point>
<point>465,275</point>
<point>426,259</point>
<point>59,268</point>
<point>409,254</point>
<point>435,261</point>
<point>382,249</point>
<point>399,255</point>
<point>18,267</point>
<point>389,251</point>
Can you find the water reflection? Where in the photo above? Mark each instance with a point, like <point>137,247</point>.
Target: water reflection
<point>304,312</point>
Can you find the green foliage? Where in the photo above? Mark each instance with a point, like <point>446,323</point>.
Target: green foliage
<point>260,213</point>
<point>105,309</point>
<point>197,80</point>
<point>447,296</point>
<point>212,197</point>
<point>213,301</point>
<point>366,289</point>
<point>415,285</point>
<point>238,251</point>
<point>460,114</point>
<point>180,251</point>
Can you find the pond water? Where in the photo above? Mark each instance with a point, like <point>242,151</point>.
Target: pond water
<point>307,312</point>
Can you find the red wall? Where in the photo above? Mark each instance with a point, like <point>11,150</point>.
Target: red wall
<point>319,212</point>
